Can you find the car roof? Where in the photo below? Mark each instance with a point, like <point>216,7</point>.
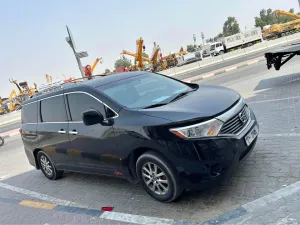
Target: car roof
<point>112,78</point>
<point>99,81</point>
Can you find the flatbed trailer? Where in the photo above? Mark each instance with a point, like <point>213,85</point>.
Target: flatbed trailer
<point>280,57</point>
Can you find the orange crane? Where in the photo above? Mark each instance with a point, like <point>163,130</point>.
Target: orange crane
<point>140,47</point>
<point>124,52</point>
<point>287,14</point>
<point>98,60</point>
<point>281,30</point>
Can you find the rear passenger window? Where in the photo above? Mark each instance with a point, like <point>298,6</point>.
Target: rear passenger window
<point>29,113</point>
<point>53,109</point>
<point>79,102</point>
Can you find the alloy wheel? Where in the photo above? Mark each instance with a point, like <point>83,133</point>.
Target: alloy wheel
<point>46,165</point>
<point>155,179</point>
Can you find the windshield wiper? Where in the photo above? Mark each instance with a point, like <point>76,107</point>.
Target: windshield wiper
<point>155,105</point>
<point>180,95</point>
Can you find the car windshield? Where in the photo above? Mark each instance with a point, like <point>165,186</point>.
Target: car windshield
<point>144,90</point>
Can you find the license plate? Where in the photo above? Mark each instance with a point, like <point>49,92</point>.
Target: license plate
<point>251,136</point>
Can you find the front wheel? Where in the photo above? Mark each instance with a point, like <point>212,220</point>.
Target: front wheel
<point>1,141</point>
<point>221,53</point>
<point>48,167</point>
<point>158,178</point>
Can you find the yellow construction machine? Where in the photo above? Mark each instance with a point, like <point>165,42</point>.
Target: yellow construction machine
<point>15,99</point>
<point>3,107</point>
<point>280,30</point>
<point>98,60</point>
<point>157,63</point>
<point>139,58</point>
<point>171,59</point>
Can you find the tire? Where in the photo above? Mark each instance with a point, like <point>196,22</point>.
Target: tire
<point>51,173</point>
<point>249,45</point>
<point>166,191</point>
<point>221,52</point>
<point>287,33</point>
<point>1,141</point>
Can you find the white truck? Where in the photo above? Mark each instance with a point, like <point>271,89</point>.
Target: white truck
<point>236,41</point>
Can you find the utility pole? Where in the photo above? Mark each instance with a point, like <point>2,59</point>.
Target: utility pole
<point>194,37</point>
<point>299,3</point>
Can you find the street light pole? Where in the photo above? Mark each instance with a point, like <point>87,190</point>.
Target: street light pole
<point>77,55</point>
<point>78,61</point>
<point>194,37</point>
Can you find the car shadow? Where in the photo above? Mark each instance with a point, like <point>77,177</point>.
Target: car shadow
<point>276,82</point>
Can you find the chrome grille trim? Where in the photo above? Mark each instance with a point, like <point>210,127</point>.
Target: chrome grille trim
<point>235,125</point>
<point>232,126</point>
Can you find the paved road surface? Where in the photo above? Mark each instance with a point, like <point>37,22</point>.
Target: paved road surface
<point>274,163</point>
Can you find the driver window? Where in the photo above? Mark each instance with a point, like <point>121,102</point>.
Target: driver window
<point>80,102</point>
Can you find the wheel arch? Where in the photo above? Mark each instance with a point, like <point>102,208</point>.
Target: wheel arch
<point>35,153</point>
<point>136,153</point>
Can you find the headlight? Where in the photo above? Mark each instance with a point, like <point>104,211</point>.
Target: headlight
<point>209,128</point>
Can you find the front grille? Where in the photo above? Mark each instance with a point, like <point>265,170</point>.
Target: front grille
<point>236,123</point>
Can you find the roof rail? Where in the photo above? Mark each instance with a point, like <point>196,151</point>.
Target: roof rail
<point>60,85</point>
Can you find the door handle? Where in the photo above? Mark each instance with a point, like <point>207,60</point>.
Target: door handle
<point>62,131</point>
<point>74,132</point>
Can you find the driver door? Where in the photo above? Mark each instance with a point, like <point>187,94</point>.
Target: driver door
<point>91,145</point>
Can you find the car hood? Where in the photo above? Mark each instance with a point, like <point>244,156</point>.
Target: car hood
<point>205,102</point>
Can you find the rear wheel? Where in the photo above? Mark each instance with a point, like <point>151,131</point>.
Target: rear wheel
<point>158,177</point>
<point>48,167</point>
<point>1,141</point>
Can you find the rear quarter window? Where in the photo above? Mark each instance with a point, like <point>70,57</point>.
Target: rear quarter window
<point>29,113</point>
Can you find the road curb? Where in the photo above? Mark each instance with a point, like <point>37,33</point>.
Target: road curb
<point>224,70</point>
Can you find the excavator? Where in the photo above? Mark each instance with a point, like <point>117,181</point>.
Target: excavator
<point>24,88</point>
<point>15,99</point>
<point>280,30</point>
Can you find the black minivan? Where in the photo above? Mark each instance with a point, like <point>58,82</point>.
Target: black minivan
<point>145,127</point>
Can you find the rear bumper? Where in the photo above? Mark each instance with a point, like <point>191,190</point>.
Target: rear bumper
<point>31,158</point>
<point>214,158</point>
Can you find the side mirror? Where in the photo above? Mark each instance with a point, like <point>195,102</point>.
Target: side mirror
<point>92,117</point>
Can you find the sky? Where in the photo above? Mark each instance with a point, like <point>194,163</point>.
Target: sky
<point>32,32</point>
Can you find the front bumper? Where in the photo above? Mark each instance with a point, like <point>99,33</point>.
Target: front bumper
<point>214,158</point>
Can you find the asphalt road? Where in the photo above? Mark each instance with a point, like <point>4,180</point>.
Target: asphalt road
<point>229,62</point>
